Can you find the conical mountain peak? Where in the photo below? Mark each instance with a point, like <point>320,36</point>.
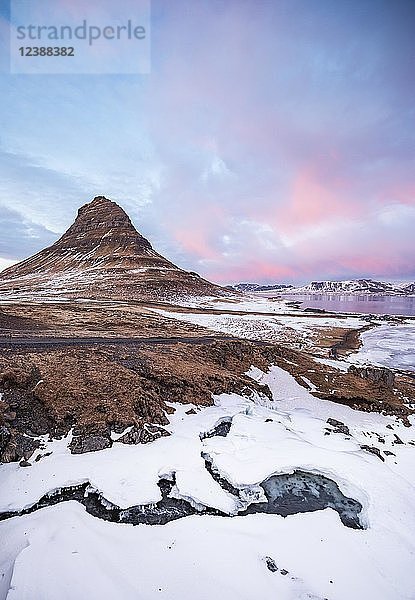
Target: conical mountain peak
<point>103,221</point>
<point>102,255</point>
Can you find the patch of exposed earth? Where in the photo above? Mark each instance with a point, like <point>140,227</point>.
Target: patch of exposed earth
<point>104,390</point>
<point>83,319</point>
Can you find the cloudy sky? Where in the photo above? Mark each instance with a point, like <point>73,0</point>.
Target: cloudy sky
<point>273,141</point>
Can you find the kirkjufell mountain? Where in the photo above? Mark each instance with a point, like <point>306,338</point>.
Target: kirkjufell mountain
<point>102,256</point>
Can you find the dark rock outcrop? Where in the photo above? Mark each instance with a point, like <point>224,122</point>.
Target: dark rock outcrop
<point>143,435</point>
<point>271,564</point>
<point>373,450</point>
<point>338,426</point>
<point>96,391</point>
<point>4,437</point>
<point>378,375</point>
<point>89,443</point>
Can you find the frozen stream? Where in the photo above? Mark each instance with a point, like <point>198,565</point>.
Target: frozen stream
<point>286,494</point>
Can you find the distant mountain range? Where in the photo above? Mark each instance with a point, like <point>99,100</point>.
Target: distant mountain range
<point>257,287</point>
<point>352,286</point>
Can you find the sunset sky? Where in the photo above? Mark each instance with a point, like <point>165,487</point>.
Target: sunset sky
<point>273,141</point>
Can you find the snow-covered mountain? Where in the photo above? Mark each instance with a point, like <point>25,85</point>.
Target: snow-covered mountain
<point>408,288</point>
<point>102,255</point>
<point>257,287</point>
<point>350,286</point>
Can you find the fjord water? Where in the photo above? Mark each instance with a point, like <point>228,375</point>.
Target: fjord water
<point>380,305</point>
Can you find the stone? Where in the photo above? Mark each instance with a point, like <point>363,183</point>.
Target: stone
<point>378,375</point>
<point>4,437</point>
<point>143,435</point>
<point>25,445</point>
<point>271,565</point>
<point>339,427</point>
<point>89,443</point>
<point>373,450</point>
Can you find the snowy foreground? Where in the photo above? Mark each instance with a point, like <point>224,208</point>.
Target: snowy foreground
<point>62,552</point>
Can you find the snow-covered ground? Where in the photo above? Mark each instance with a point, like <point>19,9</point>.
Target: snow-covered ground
<point>389,346</point>
<point>341,365</point>
<point>246,303</point>
<point>260,327</point>
<point>61,552</point>
<point>246,326</point>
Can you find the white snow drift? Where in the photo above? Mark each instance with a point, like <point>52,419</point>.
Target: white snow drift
<point>61,552</point>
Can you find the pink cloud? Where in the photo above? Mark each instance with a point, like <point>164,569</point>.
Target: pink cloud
<point>252,270</point>
<point>315,198</point>
<point>399,193</point>
<point>194,231</point>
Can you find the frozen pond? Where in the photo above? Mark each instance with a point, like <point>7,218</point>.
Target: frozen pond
<point>390,346</point>
<point>379,305</point>
<point>305,492</point>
